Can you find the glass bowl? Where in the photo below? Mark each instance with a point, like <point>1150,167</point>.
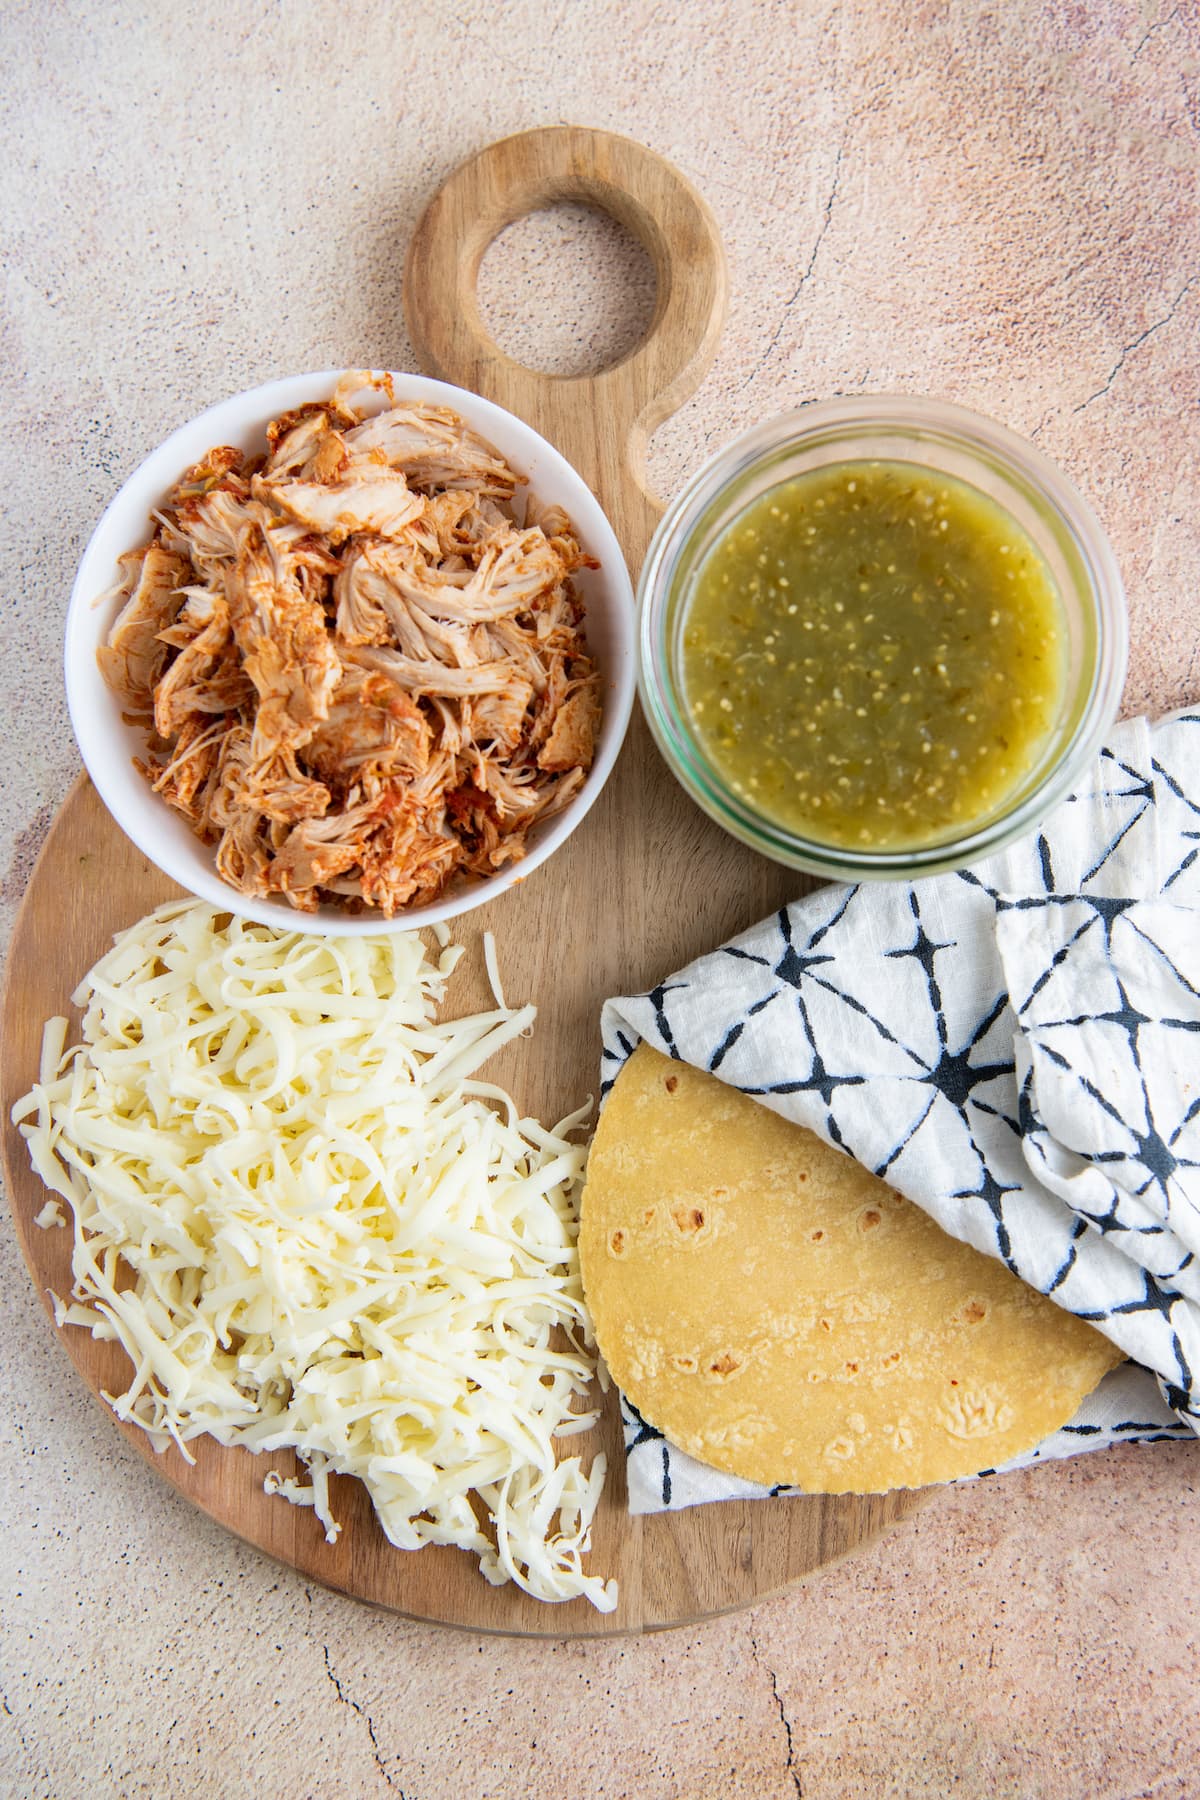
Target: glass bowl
<point>946,440</point>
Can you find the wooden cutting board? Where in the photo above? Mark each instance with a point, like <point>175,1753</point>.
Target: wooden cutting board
<point>645,884</point>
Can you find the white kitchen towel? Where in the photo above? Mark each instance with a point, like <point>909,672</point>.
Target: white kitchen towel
<point>1016,1048</point>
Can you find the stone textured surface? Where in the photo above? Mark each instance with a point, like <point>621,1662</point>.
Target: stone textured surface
<point>993,203</point>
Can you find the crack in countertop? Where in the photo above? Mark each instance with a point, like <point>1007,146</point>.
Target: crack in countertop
<point>348,1700</point>
<point>822,229</point>
<point>792,1769</point>
<point>1135,343</point>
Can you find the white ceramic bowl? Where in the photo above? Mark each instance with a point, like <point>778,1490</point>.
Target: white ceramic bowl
<point>109,746</point>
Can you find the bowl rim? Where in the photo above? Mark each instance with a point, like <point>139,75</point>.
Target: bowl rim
<point>934,420</point>
<point>234,417</point>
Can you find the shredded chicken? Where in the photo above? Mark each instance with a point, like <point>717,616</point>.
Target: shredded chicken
<point>359,667</point>
<point>135,654</point>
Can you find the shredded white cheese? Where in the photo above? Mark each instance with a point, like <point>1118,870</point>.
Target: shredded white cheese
<point>299,1214</point>
<point>492,967</point>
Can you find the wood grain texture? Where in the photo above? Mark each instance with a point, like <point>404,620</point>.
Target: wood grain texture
<point>644,884</point>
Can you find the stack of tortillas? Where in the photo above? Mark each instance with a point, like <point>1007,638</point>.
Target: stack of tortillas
<point>781,1314</point>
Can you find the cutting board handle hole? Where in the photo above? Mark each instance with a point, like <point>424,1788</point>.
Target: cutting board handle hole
<point>667,317</point>
<point>582,275</point>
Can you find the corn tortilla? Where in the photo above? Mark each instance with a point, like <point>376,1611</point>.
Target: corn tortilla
<point>782,1314</point>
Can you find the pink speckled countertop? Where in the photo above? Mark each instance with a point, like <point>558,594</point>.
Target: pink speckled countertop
<point>997,204</point>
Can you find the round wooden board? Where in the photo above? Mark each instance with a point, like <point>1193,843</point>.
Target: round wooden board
<point>645,884</point>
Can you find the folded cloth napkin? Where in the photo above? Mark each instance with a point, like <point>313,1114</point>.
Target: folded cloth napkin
<point>1016,1048</point>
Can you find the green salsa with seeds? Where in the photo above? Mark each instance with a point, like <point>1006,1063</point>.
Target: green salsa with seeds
<point>873,655</point>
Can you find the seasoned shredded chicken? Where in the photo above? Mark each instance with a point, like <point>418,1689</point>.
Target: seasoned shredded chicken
<point>359,667</point>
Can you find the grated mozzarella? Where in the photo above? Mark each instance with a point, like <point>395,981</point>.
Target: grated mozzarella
<point>311,1228</point>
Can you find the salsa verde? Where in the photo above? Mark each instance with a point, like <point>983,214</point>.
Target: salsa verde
<point>873,655</point>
